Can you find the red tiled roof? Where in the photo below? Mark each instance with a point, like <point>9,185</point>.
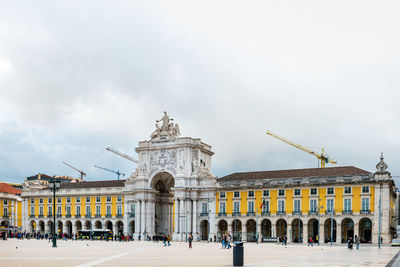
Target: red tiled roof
<point>5,188</point>
<point>296,173</point>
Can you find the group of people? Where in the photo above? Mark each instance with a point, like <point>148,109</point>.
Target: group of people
<point>350,242</point>
<point>226,241</point>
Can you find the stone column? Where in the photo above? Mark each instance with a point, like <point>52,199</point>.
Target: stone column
<point>126,217</point>
<point>194,226</point>
<point>74,230</point>
<point>143,217</point>
<point>182,229</point>
<point>176,216</point>
<point>150,217</point>
<point>356,228</point>
<point>137,219</point>
<point>46,228</point>
<point>321,233</point>
<point>338,233</point>
<point>305,233</point>
<point>273,229</point>
<point>244,232</point>
<point>65,229</point>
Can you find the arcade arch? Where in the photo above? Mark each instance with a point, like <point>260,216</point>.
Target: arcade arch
<point>327,230</point>
<point>347,229</point>
<point>236,230</point>
<point>281,228</point>
<point>204,230</point>
<point>365,230</point>
<point>266,228</point>
<point>297,231</point>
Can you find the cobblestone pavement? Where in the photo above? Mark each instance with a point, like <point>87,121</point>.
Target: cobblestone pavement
<point>100,253</point>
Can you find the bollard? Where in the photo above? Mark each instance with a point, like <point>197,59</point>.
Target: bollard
<point>238,254</point>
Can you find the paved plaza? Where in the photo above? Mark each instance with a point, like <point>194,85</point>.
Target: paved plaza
<point>101,253</point>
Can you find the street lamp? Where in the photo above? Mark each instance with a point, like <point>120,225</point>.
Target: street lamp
<point>56,185</point>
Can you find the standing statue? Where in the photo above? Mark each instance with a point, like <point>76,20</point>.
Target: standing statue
<point>165,122</point>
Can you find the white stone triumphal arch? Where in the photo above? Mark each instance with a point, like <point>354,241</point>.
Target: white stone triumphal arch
<point>172,179</point>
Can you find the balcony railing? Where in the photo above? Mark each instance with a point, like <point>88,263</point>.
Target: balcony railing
<point>222,214</point>
<point>328,212</point>
<point>68,216</point>
<point>203,213</point>
<point>347,212</point>
<point>265,212</point>
<point>50,215</point>
<point>97,216</point>
<point>77,215</point>
<point>109,215</point>
<point>312,212</point>
<point>281,212</point>
<point>5,216</point>
<point>251,213</point>
<point>88,215</point>
<point>132,215</point>
<point>119,216</point>
<point>59,215</point>
<point>32,216</point>
<point>236,213</point>
<point>40,216</point>
<point>296,212</point>
<point>365,211</point>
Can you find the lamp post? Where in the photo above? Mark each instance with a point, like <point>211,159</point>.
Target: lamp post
<point>56,185</point>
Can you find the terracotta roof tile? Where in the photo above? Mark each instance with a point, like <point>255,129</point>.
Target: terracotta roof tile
<point>5,188</point>
<point>296,173</point>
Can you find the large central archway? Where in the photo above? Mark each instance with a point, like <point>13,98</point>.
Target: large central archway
<point>163,199</point>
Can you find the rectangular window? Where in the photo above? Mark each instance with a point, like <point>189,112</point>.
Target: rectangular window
<point>59,200</point>
<point>265,193</point>
<point>132,209</point>
<point>32,211</point>
<point>108,198</point>
<point>78,210</point>
<point>68,210</point>
<point>88,213</point>
<point>5,202</point>
<point>281,206</point>
<point>222,207</point>
<point>78,200</point>
<point>41,200</point>
<point>347,204</point>
<point>98,208</point>
<point>40,211</point>
<point>68,200</point>
<point>50,200</point>
<point>119,210</point>
<point>365,204</point>
<point>313,205</point>
<point>250,207</point>
<point>251,194</point>
<point>87,199</point>
<point>296,205</point>
<point>266,206</point>
<point>32,201</point>
<point>236,194</point>
<point>119,198</point>
<point>281,192</point>
<point>236,207</point>
<point>329,205</point>
<point>221,194</point>
<point>108,210</point>
<point>204,208</point>
<point>59,210</point>
<point>97,199</point>
<point>365,189</point>
<point>330,191</point>
<point>313,191</point>
<point>5,212</point>
<point>297,192</point>
<point>347,190</point>
<point>50,211</point>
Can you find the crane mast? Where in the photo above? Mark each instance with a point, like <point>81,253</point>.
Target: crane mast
<point>118,173</point>
<point>72,167</point>
<point>322,158</point>
<point>122,154</point>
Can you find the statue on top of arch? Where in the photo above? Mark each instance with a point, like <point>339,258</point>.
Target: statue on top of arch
<point>167,128</point>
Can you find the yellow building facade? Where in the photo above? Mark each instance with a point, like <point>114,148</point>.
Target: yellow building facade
<point>10,208</point>
<point>331,203</point>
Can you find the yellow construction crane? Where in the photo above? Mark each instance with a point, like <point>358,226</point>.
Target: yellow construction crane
<point>322,158</point>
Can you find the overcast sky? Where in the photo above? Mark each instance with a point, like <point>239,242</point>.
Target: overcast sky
<point>77,76</point>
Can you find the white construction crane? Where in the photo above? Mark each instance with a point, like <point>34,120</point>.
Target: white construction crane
<point>122,154</point>
<point>80,171</point>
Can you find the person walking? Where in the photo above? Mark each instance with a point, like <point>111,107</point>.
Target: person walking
<point>310,242</point>
<point>350,243</point>
<point>169,240</point>
<point>190,239</point>
<point>357,239</point>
